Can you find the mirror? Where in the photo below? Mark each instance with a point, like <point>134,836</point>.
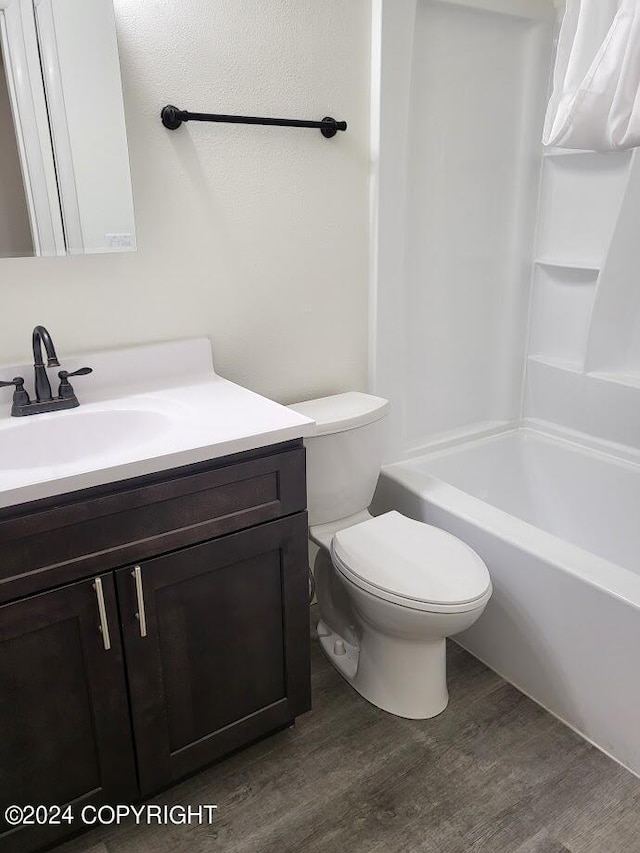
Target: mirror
<point>15,230</point>
<point>65,184</point>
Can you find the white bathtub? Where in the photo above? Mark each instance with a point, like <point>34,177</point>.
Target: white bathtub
<point>558,525</point>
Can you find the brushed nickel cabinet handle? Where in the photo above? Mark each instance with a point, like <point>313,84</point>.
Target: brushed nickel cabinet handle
<point>102,610</point>
<point>141,616</point>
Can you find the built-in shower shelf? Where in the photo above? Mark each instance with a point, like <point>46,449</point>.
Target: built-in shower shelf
<point>561,307</point>
<point>560,363</point>
<point>556,263</point>
<point>629,380</point>
<point>567,152</point>
<point>579,204</point>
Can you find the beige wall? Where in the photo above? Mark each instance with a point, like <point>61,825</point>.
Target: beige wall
<point>15,232</point>
<point>256,237</point>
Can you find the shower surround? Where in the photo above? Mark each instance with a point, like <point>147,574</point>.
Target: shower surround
<point>506,333</point>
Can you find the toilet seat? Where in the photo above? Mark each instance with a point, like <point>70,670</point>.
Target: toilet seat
<point>412,564</point>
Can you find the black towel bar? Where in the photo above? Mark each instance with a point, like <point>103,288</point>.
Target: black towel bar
<point>172,118</point>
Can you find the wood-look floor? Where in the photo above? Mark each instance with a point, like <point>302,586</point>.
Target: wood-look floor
<point>493,773</point>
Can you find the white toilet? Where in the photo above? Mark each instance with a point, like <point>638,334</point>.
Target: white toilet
<point>389,589</point>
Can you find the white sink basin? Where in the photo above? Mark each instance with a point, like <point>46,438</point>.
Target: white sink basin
<point>42,441</point>
<point>143,410</point>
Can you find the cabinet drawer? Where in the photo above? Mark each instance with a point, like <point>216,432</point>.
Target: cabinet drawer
<point>73,536</point>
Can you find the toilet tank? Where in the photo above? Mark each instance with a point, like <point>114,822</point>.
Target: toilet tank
<point>344,455</point>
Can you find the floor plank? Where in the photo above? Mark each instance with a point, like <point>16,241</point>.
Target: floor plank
<point>493,774</point>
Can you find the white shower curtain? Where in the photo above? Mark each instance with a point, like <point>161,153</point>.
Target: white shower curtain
<point>596,86</point>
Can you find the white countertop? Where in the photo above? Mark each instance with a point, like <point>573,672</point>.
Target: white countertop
<point>143,410</point>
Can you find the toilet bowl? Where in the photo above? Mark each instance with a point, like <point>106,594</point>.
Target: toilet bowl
<point>390,589</point>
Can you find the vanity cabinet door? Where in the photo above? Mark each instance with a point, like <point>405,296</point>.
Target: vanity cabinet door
<point>65,734</point>
<point>225,658</point>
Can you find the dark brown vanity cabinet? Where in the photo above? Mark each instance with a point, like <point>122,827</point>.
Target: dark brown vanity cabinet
<point>188,638</point>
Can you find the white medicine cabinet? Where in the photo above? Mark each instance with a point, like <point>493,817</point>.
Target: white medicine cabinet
<point>65,184</point>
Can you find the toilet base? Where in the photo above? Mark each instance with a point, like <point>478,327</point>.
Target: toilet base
<point>346,662</point>
<point>406,678</point>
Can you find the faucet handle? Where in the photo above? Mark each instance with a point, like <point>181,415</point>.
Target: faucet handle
<point>17,381</point>
<point>20,396</point>
<point>66,389</point>
<point>83,371</point>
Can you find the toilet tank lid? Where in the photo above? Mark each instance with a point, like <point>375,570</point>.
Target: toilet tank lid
<point>342,412</point>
